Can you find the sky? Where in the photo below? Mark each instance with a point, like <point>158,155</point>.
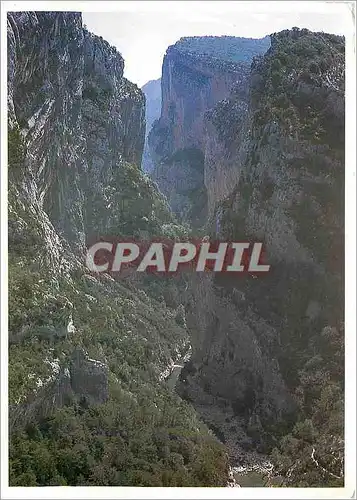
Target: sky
<point>142,31</point>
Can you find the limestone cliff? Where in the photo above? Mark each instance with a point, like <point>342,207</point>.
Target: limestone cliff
<point>66,89</point>
<point>197,73</point>
<point>87,399</point>
<point>242,151</point>
<point>272,167</point>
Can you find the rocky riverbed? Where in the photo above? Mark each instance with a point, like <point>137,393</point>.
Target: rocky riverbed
<point>254,469</point>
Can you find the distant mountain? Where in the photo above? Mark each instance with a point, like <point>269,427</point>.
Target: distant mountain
<point>152,91</point>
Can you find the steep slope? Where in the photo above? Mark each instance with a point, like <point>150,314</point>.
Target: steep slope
<point>152,92</point>
<point>64,81</point>
<point>197,73</point>
<point>88,355</point>
<point>268,350</point>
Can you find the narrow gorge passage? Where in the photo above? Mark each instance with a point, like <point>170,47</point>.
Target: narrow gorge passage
<point>235,151</point>
<point>153,379</point>
<point>174,375</point>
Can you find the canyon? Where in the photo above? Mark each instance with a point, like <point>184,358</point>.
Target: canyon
<point>264,155</point>
<point>247,147</point>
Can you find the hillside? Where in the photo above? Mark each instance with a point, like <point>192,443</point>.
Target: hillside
<point>88,356</point>
<point>173,380</point>
<point>197,73</point>
<point>257,153</point>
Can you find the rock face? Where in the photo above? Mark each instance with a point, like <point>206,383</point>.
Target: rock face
<point>78,115</point>
<point>87,351</point>
<point>273,171</point>
<point>89,378</point>
<point>73,121</point>
<point>152,92</point>
<point>249,153</point>
<point>195,77</point>
<point>84,381</point>
<point>291,187</point>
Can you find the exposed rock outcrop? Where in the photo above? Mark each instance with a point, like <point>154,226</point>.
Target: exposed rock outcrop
<point>195,77</point>
<point>76,134</point>
<point>79,116</point>
<point>75,126</point>
<point>89,378</point>
<point>273,171</point>
<point>84,381</point>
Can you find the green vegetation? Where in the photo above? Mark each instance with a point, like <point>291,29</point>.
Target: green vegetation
<point>146,438</point>
<point>298,104</point>
<point>143,434</point>
<point>16,150</point>
<point>130,206</point>
<point>292,84</point>
<point>313,453</point>
<point>226,48</point>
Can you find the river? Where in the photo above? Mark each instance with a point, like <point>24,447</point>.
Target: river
<point>250,475</point>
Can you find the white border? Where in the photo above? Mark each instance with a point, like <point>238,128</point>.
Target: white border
<point>350,285</point>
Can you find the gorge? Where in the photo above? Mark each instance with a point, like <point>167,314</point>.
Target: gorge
<point>249,145</point>
<point>271,154</point>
